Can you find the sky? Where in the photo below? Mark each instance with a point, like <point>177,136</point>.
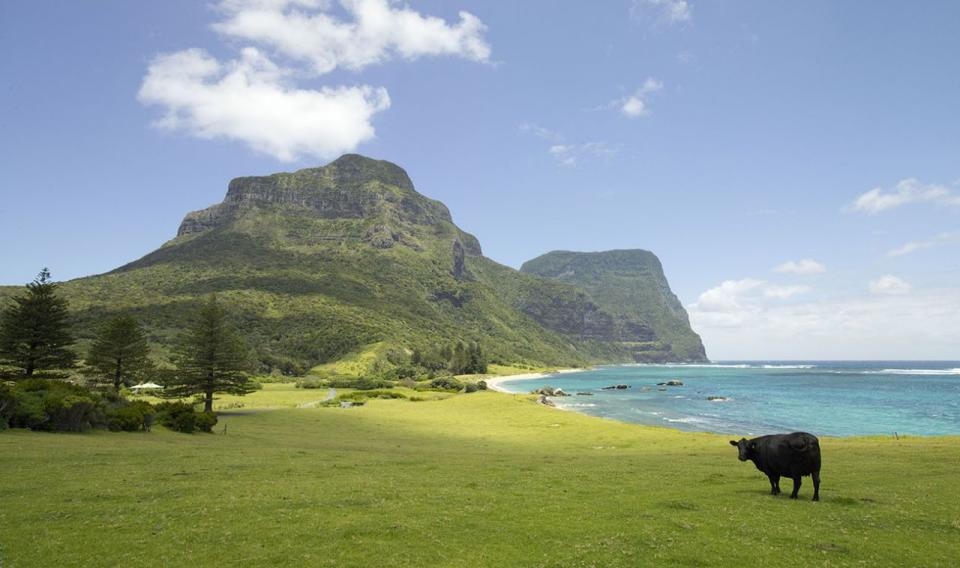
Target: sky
<point>795,166</point>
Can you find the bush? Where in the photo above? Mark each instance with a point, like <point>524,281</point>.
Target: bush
<point>206,421</point>
<point>56,406</point>
<point>446,384</point>
<point>363,395</point>
<point>471,387</point>
<point>482,385</point>
<point>359,383</point>
<point>133,417</point>
<point>312,384</point>
<point>181,417</point>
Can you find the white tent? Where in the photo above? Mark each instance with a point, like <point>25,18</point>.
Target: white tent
<point>145,386</point>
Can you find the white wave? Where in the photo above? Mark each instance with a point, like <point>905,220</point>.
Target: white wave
<point>691,366</point>
<point>912,372</point>
<point>788,366</point>
<point>687,420</point>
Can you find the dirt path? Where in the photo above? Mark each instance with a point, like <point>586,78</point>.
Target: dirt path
<point>331,394</point>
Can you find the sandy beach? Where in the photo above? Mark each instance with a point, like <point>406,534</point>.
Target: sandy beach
<point>493,383</point>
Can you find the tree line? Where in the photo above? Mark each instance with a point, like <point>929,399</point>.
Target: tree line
<point>209,357</point>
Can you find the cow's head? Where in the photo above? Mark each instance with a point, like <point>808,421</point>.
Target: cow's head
<point>745,447</point>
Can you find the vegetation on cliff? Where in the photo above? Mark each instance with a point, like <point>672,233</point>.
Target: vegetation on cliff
<point>629,285</point>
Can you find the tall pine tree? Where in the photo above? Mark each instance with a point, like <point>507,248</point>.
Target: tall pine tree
<point>211,358</point>
<point>34,329</point>
<point>119,353</point>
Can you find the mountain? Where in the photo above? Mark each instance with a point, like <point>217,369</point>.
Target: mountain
<point>349,263</point>
<point>629,285</point>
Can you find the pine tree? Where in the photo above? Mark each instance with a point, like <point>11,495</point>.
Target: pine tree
<point>119,353</point>
<point>459,359</point>
<point>477,363</point>
<point>34,329</point>
<point>211,358</point>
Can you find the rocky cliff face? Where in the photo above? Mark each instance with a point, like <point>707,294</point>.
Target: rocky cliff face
<point>351,188</point>
<point>631,286</point>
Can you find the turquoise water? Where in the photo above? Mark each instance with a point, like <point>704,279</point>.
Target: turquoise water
<point>849,398</point>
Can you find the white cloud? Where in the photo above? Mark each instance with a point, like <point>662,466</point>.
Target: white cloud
<point>922,325</point>
<point>914,246</point>
<point>376,31</point>
<point>572,154</point>
<point>906,191</point>
<point>250,100</point>
<point>541,132</point>
<point>635,105</point>
<point>890,285</point>
<point>802,267</point>
<point>569,154</point>
<point>662,11</point>
<point>785,292</point>
<point>735,301</point>
<point>256,101</point>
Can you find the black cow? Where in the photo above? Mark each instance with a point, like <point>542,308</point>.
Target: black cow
<point>788,455</point>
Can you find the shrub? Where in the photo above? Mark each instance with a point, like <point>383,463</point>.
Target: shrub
<point>206,421</point>
<point>133,417</point>
<point>446,384</point>
<point>44,404</point>
<point>359,396</point>
<point>181,417</point>
<point>471,387</point>
<point>312,384</point>
<point>359,383</point>
<point>482,385</point>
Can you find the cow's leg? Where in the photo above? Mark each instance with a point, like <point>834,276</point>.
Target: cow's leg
<point>774,484</point>
<point>796,487</point>
<point>816,485</point>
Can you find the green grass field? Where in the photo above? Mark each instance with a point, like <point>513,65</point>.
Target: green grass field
<point>484,479</point>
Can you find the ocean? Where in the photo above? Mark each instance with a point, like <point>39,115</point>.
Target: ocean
<point>830,398</point>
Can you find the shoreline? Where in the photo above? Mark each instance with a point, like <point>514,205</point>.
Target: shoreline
<point>493,383</point>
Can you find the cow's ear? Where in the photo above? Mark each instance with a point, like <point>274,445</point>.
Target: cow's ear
<point>734,443</point>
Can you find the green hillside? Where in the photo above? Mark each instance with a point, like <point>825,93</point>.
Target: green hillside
<point>348,260</point>
<point>630,285</point>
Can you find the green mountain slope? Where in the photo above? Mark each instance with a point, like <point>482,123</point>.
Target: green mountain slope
<point>348,260</point>
<point>630,285</point>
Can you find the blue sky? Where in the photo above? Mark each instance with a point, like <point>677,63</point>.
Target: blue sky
<point>730,138</point>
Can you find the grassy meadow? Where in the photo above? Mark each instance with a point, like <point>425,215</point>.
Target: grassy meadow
<point>482,479</point>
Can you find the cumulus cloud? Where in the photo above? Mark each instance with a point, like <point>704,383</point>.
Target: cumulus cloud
<point>914,246</point>
<point>889,285</point>
<point>801,267</point>
<point>250,100</point>
<point>744,319</point>
<point>662,11</point>
<point>635,105</point>
<point>906,191</point>
<point>254,100</point>
<point>375,31</point>
<point>733,302</point>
